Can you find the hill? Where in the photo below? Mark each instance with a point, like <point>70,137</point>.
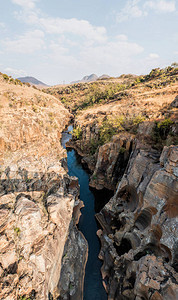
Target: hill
<point>32,81</point>
<point>87,78</point>
<point>90,78</point>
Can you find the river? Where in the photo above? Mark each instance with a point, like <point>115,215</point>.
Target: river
<point>93,287</point>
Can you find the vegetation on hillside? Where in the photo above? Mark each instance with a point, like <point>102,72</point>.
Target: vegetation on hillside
<point>16,81</point>
<point>132,109</point>
<point>80,96</point>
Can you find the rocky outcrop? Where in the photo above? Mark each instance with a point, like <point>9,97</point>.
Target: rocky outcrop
<point>139,236</point>
<point>35,222</point>
<point>109,162</point>
<point>112,160</point>
<point>73,266</point>
<point>39,205</point>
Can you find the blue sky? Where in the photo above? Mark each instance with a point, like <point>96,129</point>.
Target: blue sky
<point>59,41</point>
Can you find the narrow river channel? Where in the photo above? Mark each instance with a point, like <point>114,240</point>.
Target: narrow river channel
<point>93,287</point>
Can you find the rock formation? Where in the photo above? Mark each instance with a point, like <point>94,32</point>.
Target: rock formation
<point>139,223</point>
<point>112,160</point>
<point>39,205</point>
<point>139,236</point>
<point>43,255</point>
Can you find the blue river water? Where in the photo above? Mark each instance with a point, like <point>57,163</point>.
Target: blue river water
<point>93,287</point>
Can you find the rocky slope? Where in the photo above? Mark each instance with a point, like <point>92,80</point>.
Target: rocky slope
<point>39,203</point>
<point>129,144</point>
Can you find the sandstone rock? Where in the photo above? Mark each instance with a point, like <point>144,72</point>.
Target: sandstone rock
<point>112,160</point>
<point>34,225</point>
<point>140,228</point>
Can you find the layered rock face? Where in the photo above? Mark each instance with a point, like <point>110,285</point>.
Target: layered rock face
<point>139,224</point>
<point>39,205</point>
<point>35,216</point>
<point>139,236</point>
<point>111,162</point>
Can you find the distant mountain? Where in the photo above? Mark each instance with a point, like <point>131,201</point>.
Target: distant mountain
<point>88,78</point>
<point>104,76</point>
<point>32,81</point>
<point>92,77</point>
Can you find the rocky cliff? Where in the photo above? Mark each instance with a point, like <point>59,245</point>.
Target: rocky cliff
<point>139,236</point>
<point>39,203</point>
<point>139,224</point>
<point>138,159</point>
<point>127,136</point>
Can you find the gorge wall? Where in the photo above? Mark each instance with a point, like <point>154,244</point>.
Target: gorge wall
<point>129,144</point>
<point>139,223</point>
<point>139,245</point>
<point>39,205</point>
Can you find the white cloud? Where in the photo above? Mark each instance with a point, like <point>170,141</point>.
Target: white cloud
<point>130,10</point>
<point>26,4</point>
<point>122,37</point>
<point>57,48</point>
<point>137,9</point>
<point>73,26</point>
<point>161,5</point>
<point>28,43</point>
<point>153,56</point>
<point>15,72</point>
<point>60,26</point>
<point>115,55</point>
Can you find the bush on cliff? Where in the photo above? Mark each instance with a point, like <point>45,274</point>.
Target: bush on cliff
<point>110,127</point>
<point>163,135</point>
<point>77,133</point>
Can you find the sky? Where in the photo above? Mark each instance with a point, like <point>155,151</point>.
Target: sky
<point>58,41</point>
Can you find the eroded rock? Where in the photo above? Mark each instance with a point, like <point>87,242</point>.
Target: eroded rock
<point>139,237</point>
<point>36,210</point>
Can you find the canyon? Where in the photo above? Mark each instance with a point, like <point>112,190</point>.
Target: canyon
<point>125,131</point>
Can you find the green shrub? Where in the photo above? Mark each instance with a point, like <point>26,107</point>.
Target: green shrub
<point>160,133</point>
<point>17,230</point>
<point>5,76</point>
<point>138,119</point>
<point>122,150</point>
<point>164,128</point>
<point>110,127</point>
<point>77,133</point>
<point>17,81</point>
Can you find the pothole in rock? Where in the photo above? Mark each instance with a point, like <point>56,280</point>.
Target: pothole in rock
<point>124,247</point>
<point>144,218</point>
<point>149,249</point>
<point>129,197</point>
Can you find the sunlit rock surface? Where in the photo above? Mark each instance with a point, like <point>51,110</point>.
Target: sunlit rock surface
<point>139,236</point>
<point>39,203</point>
